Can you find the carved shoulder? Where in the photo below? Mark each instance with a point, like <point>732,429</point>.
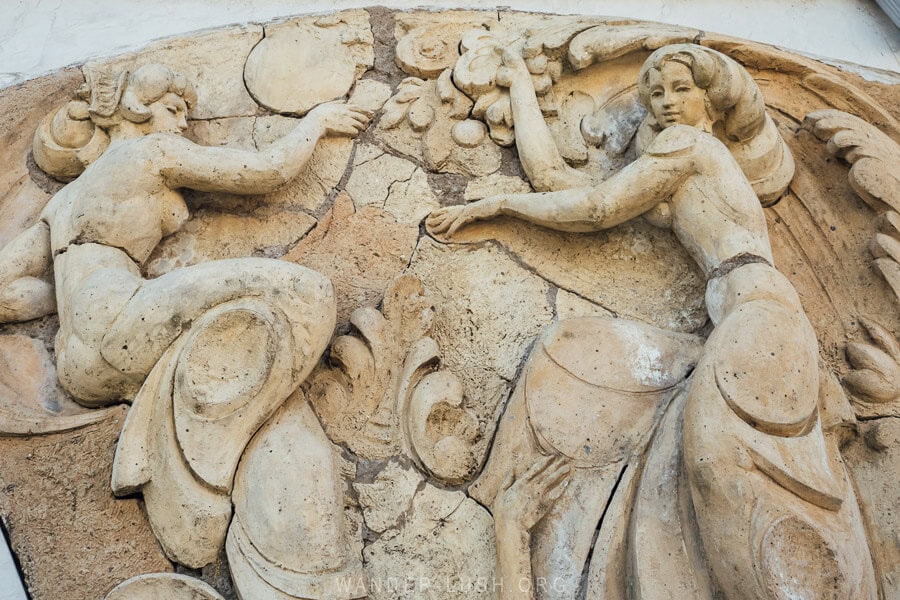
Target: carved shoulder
<point>682,140</point>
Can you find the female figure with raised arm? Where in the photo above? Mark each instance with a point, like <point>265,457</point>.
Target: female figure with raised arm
<point>206,353</point>
<point>772,512</point>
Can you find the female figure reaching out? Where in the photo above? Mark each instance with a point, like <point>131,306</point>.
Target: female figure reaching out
<point>767,491</point>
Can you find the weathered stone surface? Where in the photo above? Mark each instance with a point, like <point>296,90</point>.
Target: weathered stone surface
<point>569,305</point>
<point>63,519</point>
<point>212,60</point>
<point>606,267</point>
<point>212,236</point>
<point>394,184</point>
<point>21,109</point>
<point>409,201</point>
<point>359,250</point>
<point>374,174</point>
<point>443,550</point>
<point>491,185</point>
<point>484,335</point>
<point>370,94</point>
<point>303,62</point>
<point>388,498</point>
<point>231,132</point>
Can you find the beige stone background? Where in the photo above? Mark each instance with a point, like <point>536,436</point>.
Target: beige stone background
<point>355,215</point>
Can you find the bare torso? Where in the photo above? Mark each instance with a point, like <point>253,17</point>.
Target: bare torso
<point>103,227</point>
<point>714,211</point>
<point>121,201</point>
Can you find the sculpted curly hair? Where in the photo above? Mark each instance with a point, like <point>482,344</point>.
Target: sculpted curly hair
<point>75,135</point>
<point>733,98</point>
<point>132,94</point>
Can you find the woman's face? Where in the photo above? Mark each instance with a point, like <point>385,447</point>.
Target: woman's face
<point>169,114</point>
<point>675,99</point>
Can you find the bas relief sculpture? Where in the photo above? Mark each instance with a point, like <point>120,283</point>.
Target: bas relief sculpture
<point>738,440</point>
<point>747,415</point>
<point>158,343</point>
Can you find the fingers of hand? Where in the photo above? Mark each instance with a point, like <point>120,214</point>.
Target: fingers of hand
<point>554,475</point>
<point>360,110</point>
<point>512,57</point>
<point>438,226</point>
<point>437,221</point>
<point>549,471</point>
<point>504,77</point>
<point>538,467</point>
<point>458,222</point>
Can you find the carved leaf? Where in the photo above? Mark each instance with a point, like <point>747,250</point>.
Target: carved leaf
<point>420,114</point>
<point>355,395</point>
<point>875,378</point>
<point>873,155</point>
<point>606,42</point>
<point>393,114</point>
<point>461,105</point>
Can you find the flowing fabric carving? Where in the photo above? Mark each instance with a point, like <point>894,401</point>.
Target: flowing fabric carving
<point>739,489</point>
<point>207,354</point>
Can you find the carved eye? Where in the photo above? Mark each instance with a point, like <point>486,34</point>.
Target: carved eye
<point>172,110</point>
<point>683,88</point>
<point>656,94</point>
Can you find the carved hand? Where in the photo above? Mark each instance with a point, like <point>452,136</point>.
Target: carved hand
<point>876,367</point>
<point>525,501</point>
<point>340,118</point>
<point>513,69</point>
<point>449,219</point>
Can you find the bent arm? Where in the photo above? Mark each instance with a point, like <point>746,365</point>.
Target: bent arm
<point>213,169</point>
<point>546,169</point>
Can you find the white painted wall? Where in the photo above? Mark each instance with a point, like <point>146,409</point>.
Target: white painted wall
<point>37,36</point>
<point>10,585</point>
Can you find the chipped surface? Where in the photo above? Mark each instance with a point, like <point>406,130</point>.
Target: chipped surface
<point>358,222</point>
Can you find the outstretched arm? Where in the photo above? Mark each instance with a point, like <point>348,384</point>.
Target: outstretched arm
<point>629,193</point>
<point>188,165</point>
<point>546,169</point>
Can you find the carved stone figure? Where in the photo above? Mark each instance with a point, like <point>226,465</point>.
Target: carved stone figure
<point>204,353</point>
<point>586,381</point>
<point>767,495</point>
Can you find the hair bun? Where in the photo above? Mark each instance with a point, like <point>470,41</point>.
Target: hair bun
<point>67,141</point>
